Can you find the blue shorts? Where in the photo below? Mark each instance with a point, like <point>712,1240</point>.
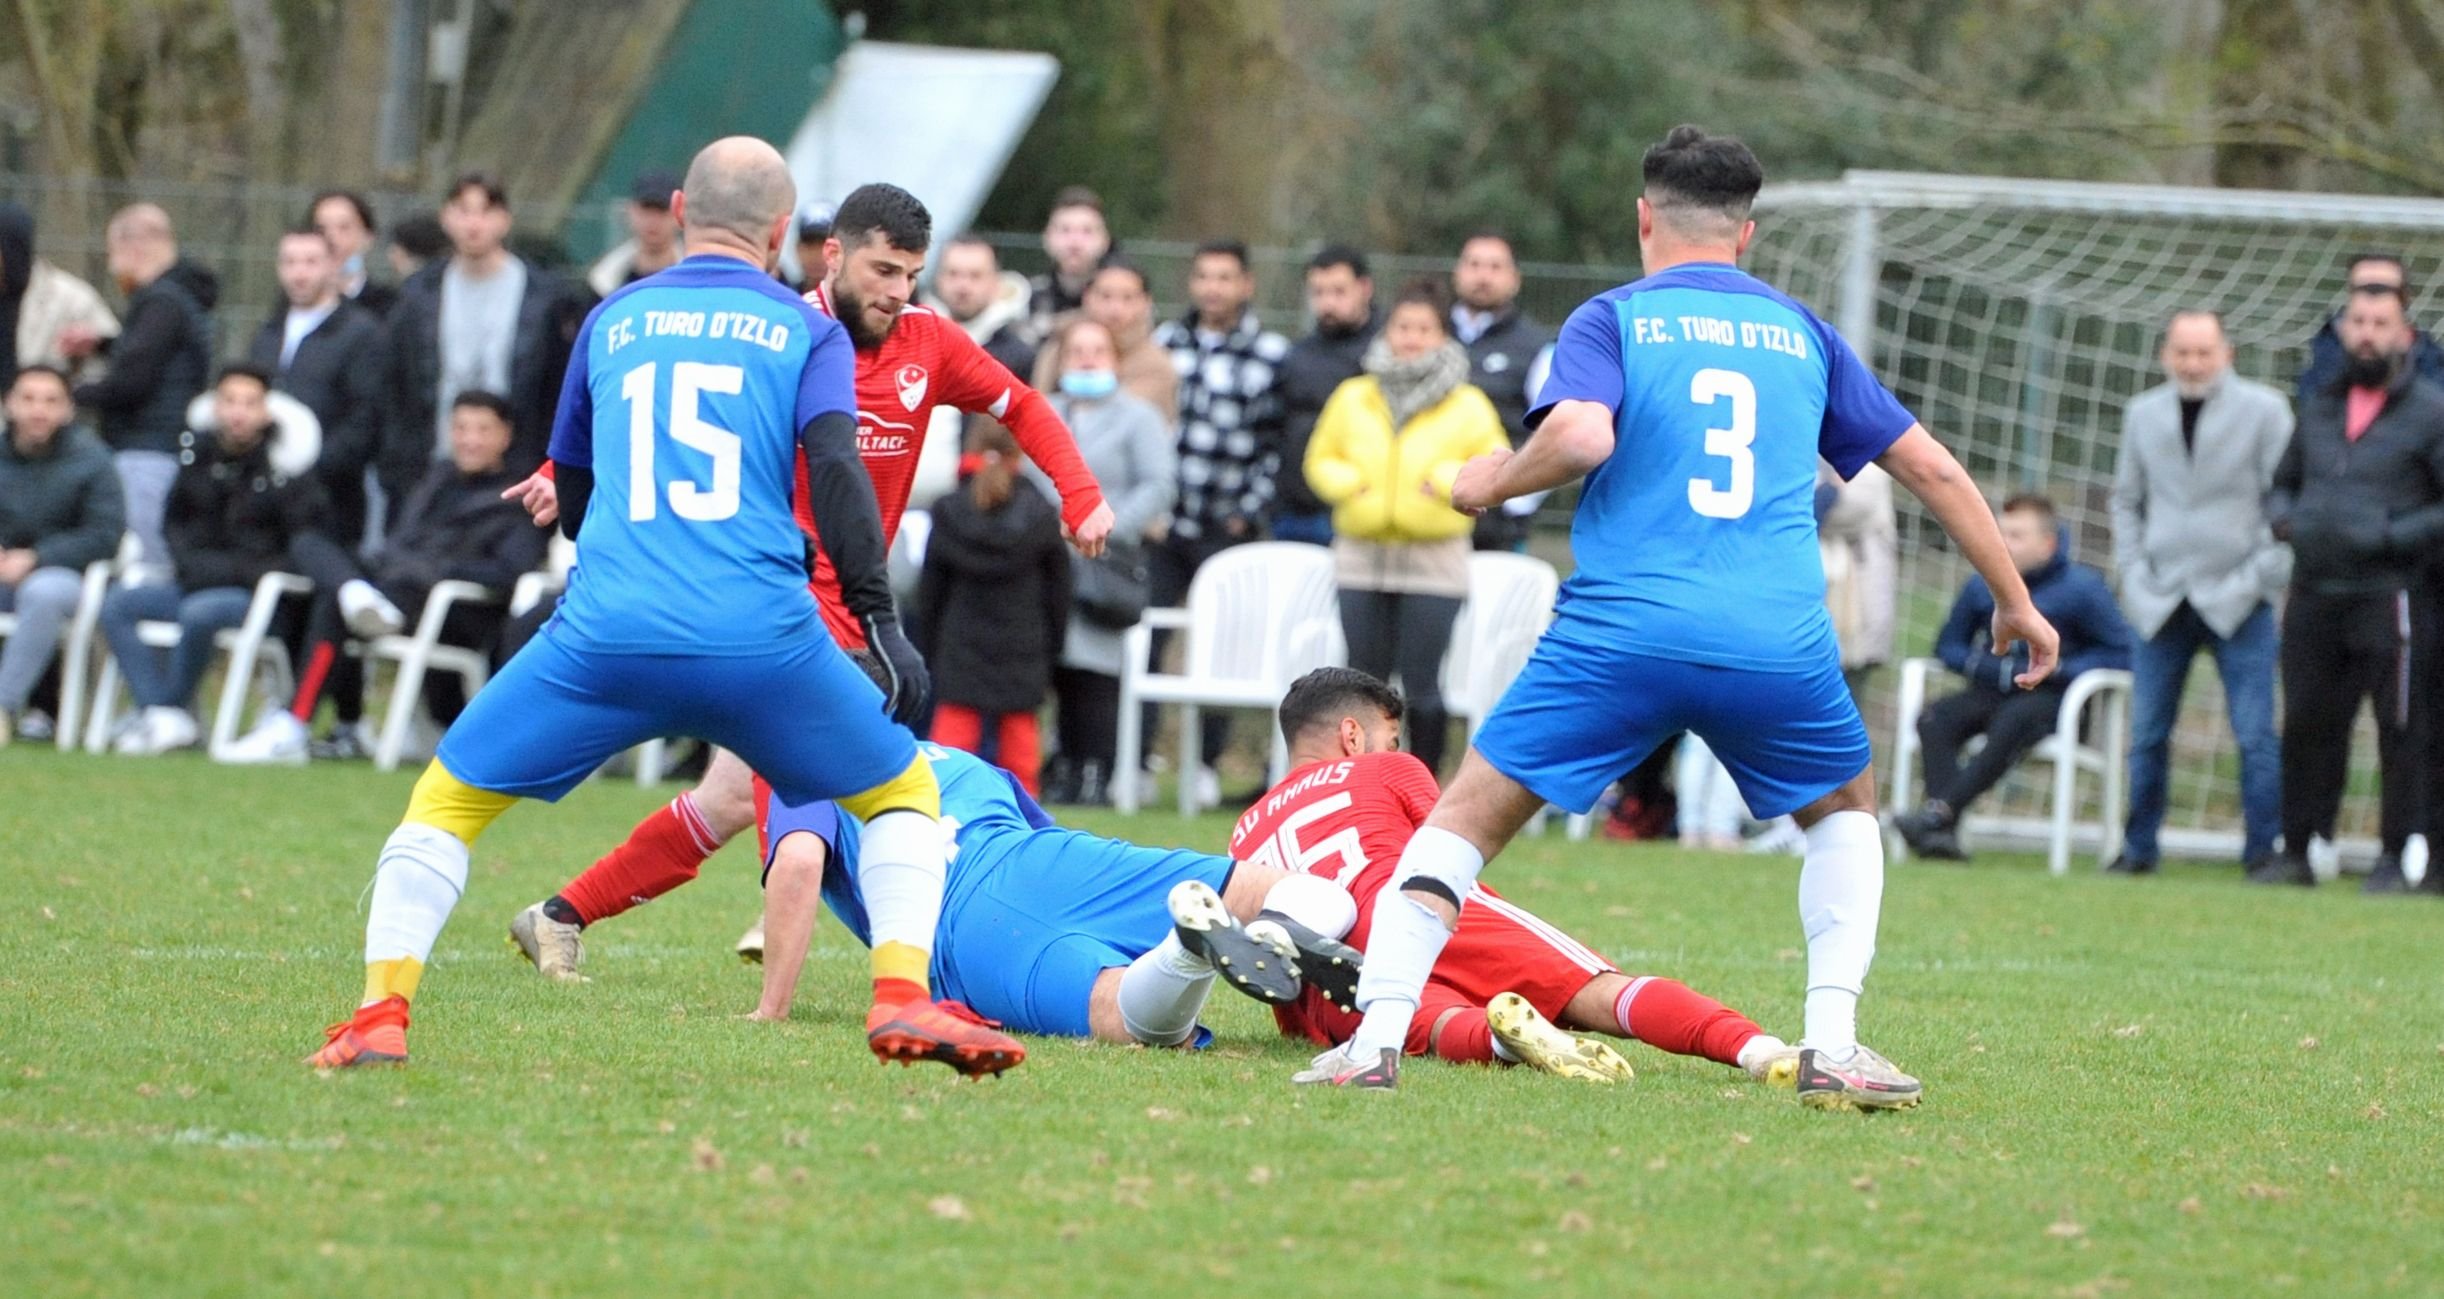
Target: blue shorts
<point>1580,715</point>
<point>802,716</point>
<point>1034,917</point>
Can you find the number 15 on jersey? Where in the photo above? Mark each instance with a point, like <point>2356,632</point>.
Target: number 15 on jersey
<point>689,499</point>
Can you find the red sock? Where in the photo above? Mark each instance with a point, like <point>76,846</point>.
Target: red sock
<point>1465,1038</point>
<point>662,853</point>
<point>1671,1016</point>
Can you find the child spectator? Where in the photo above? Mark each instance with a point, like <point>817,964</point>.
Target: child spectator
<point>992,607</point>
<point>245,492</point>
<point>454,527</point>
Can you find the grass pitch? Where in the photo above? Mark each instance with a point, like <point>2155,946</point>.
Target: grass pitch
<point>2177,1086</point>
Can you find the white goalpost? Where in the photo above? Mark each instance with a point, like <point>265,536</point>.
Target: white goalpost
<point>2017,316</point>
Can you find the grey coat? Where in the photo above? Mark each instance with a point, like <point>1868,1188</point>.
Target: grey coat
<point>1128,447</point>
<point>2192,526</point>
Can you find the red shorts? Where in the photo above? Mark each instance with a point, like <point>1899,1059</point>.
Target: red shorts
<point>1500,947</point>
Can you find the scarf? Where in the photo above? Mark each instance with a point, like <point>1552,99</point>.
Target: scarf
<point>1416,384</point>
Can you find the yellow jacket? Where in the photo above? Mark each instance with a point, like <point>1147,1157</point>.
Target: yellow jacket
<point>1384,485</point>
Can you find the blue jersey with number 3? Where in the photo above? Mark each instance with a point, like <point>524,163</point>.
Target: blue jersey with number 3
<point>1696,539</point>
<point>685,395</point>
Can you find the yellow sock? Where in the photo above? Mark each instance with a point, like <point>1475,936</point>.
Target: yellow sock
<point>392,978</point>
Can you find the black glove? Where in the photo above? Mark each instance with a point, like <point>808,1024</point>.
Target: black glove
<point>910,688</point>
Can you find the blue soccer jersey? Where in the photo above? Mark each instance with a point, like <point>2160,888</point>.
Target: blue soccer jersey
<point>1032,913</point>
<point>685,396</point>
<point>1696,539</point>
<point>978,800</point>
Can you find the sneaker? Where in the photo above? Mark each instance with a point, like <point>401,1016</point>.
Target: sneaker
<point>751,943</point>
<point>1258,959</point>
<point>347,742</point>
<point>1771,1061</point>
<point>1208,789</point>
<point>945,1031</point>
<point>2324,859</point>
<point>1865,1081</point>
<point>368,613</point>
<point>1338,1068</point>
<point>278,740</point>
<point>1541,1046</point>
<point>36,727</point>
<point>376,1034</point>
<point>555,949</point>
<point>1781,837</point>
<point>2123,865</point>
<point>2386,877</point>
<point>1093,789</point>
<point>158,730</point>
<point>1930,833</point>
<point>1328,966</point>
<point>2284,868</point>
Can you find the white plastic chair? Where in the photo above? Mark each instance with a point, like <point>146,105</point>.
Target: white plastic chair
<point>2108,689</point>
<point>250,645</point>
<point>1258,617</point>
<point>546,583</point>
<point>75,650</point>
<point>1509,604</point>
<point>418,653</point>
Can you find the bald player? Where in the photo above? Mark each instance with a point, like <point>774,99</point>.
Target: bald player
<point>687,404</point>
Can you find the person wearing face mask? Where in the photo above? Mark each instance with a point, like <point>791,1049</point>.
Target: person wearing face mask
<point>245,492</point>
<point>1129,450</point>
<point>2360,496</point>
<point>1120,298</point>
<point>1384,455</point>
<point>2200,570</point>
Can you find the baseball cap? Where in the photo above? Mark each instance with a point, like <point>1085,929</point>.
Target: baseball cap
<point>653,188</point>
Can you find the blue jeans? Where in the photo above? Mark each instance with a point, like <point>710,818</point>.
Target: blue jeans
<point>1315,529</point>
<point>2246,661</point>
<point>199,615</point>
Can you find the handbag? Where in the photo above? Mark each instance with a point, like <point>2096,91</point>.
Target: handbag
<point>1112,590</point>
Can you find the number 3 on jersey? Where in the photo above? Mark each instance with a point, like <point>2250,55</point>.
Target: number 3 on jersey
<point>1707,388</point>
<point>689,380</point>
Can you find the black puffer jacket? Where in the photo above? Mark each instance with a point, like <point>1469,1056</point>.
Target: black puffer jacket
<point>232,517</point>
<point>456,527</point>
<point>159,361</point>
<point>1309,372</point>
<point>2363,516</point>
<point>993,603</point>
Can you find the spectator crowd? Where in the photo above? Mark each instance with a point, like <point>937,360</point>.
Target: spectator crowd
<point>362,440</point>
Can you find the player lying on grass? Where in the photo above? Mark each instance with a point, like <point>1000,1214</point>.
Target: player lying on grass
<point>909,362</point>
<point>1045,929</point>
<point>681,445</point>
<point>1348,806</point>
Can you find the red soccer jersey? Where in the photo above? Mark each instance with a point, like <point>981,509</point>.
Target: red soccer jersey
<point>1348,820</point>
<point>928,361</point>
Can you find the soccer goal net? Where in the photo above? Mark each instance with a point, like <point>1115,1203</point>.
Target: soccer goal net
<point>2016,317</point>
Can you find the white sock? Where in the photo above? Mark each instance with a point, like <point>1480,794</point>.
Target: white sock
<point>1315,902</point>
<point>1841,895</point>
<point>900,867</point>
<point>1162,991</point>
<point>1407,938</point>
<point>1763,1044</point>
<point>416,884</point>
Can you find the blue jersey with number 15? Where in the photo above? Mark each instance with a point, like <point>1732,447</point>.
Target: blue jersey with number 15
<point>685,396</point>
<point>1696,539</point>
